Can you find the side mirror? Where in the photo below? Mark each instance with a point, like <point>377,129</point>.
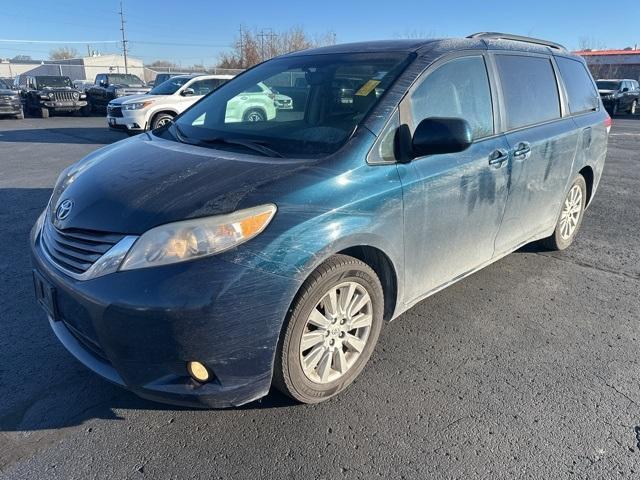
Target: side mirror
<point>435,135</point>
<point>188,92</point>
<point>625,89</point>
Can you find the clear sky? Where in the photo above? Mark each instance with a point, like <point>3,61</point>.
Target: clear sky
<point>205,28</point>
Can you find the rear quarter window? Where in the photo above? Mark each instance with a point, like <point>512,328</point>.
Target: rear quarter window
<point>529,90</point>
<point>583,96</point>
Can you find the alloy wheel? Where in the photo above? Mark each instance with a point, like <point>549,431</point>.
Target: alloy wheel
<point>571,212</point>
<point>336,332</point>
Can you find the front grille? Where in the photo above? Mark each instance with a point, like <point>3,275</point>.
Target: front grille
<point>76,250</point>
<point>114,111</point>
<point>65,96</point>
<point>8,100</point>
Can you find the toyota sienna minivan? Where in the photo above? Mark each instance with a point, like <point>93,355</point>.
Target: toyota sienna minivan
<point>205,261</point>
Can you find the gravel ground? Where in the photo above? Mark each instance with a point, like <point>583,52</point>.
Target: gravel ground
<point>527,369</point>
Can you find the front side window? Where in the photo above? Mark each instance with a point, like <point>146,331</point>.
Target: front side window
<point>308,118</point>
<point>202,87</point>
<point>459,89</point>
<point>583,97</point>
<point>529,89</point>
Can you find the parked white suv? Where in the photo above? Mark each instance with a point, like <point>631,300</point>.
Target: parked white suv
<point>139,113</point>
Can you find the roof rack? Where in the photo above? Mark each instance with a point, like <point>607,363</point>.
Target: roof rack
<point>516,38</point>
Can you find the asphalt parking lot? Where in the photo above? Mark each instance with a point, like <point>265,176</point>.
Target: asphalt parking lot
<point>527,369</point>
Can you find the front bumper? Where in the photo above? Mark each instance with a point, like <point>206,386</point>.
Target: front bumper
<point>130,121</point>
<point>139,328</point>
<point>63,105</point>
<point>10,108</point>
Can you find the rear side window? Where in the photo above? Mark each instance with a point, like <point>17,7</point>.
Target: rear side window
<point>583,97</point>
<point>459,88</point>
<point>529,89</point>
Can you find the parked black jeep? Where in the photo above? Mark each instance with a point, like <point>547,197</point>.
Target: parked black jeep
<point>619,96</point>
<point>10,101</point>
<point>44,94</point>
<point>113,85</point>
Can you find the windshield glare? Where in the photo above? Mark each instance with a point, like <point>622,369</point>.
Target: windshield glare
<point>320,100</point>
<point>44,82</point>
<point>170,86</point>
<point>608,85</point>
<point>127,80</point>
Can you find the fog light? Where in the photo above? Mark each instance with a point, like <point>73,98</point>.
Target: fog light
<point>198,371</point>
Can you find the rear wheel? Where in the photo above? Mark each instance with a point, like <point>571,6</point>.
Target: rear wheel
<point>570,217</point>
<point>331,330</point>
<point>160,120</point>
<point>254,115</point>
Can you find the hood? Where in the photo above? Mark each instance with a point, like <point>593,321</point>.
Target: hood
<point>137,98</point>
<point>132,98</point>
<point>8,92</point>
<point>139,183</point>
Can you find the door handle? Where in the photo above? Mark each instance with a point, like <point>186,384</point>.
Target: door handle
<point>498,157</point>
<point>522,151</point>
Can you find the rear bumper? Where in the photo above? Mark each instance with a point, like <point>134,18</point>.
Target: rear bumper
<point>138,328</point>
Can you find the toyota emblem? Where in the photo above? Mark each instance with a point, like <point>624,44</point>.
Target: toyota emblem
<point>64,209</point>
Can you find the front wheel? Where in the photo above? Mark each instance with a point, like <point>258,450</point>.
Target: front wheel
<point>20,116</point>
<point>160,120</point>
<point>331,330</point>
<point>44,112</point>
<point>614,109</point>
<point>570,218</point>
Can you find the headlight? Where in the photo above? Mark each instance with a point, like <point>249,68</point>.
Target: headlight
<point>136,106</point>
<point>46,96</point>
<point>200,237</point>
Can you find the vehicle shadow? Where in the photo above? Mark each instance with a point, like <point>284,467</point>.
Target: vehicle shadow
<point>41,385</point>
<point>70,135</point>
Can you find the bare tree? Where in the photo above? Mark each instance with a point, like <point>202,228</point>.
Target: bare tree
<point>590,43</point>
<point>21,58</point>
<point>255,46</point>
<point>63,53</point>
<point>159,64</point>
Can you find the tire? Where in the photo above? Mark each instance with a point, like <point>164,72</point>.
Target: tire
<point>86,110</point>
<point>614,109</point>
<point>161,119</point>
<point>20,116</point>
<point>563,236</point>
<point>345,276</point>
<point>254,115</point>
<point>633,108</point>
<point>44,112</point>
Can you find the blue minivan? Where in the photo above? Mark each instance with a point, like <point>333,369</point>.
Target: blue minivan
<point>203,262</point>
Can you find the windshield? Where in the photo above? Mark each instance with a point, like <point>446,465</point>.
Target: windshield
<point>320,101</point>
<point>44,82</point>
<point>4,84</point>
<point>126,80</point>
<point>169,87</point>
<point>608,85</point>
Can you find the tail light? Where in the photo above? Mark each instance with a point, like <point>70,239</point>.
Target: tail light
<point>607,123</point>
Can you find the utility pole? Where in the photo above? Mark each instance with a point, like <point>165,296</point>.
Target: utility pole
<point>124,39</point>
<point>241,48</point>
<point>271,36</point>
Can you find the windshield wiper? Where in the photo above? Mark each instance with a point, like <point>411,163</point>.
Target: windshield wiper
<point>256,147</point>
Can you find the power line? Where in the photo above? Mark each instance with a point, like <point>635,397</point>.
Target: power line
<point>9,40</point>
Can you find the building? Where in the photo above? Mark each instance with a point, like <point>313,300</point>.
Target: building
<point>613,63</point>
<point>76,69</point>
